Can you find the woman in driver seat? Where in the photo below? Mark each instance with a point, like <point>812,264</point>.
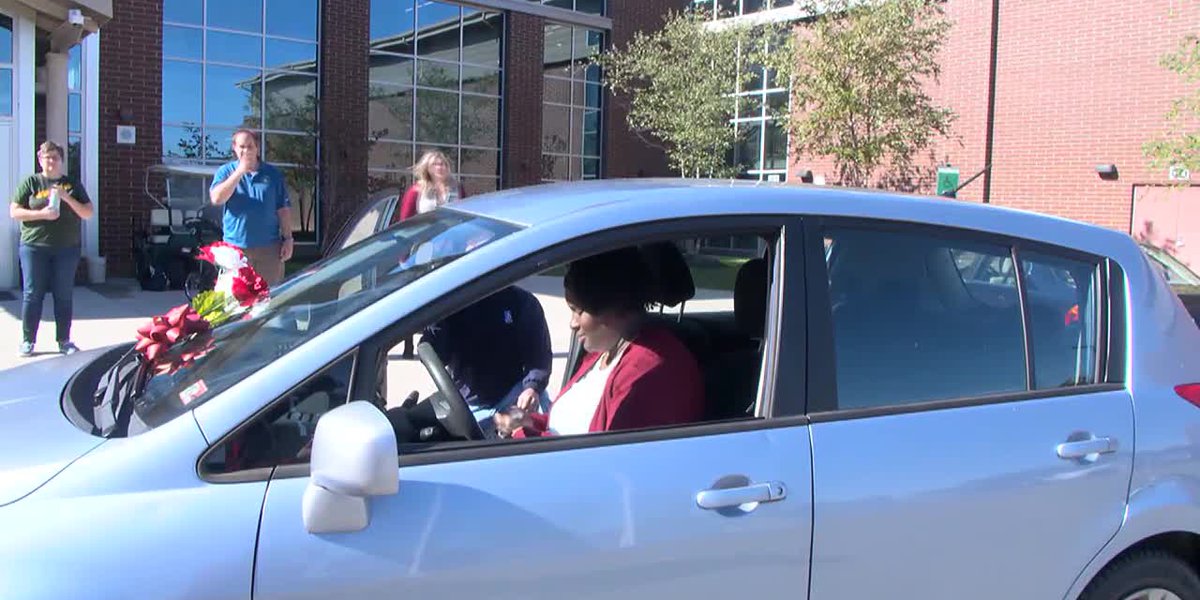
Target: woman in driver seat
<point>637,374</point>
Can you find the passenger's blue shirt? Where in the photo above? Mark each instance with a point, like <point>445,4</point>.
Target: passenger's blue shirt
<point>251,220</point>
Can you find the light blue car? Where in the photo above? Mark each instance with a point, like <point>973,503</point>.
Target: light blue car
<point>879,424</point>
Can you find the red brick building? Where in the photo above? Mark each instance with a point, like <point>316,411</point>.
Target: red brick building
<point>347,94</point>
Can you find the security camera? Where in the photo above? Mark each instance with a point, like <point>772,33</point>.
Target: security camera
<point>75,17</point>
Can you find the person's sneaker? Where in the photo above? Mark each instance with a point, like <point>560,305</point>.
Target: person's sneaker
<point>67,348</point>
<point>26,349</point>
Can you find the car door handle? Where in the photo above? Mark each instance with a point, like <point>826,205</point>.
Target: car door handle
<point>1084,448</point>
<point>737,496</point>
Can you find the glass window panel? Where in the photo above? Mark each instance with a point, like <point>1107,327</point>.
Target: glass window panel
<point>394,181</point>
<point>777,103</point>
<point>587,43</point>
<point>592,73</point>
<point>180,102</point>
<point>385,68</point>
<point>6,92</point>
<point>231,96</point>
<point>747,150</point>
<point>483,80</point>
<point>555,168</point>
<point>302,190</point>
<point>392,25</point>
<point>481,38</point>
<point>480,185</point>
<point>74,153</point>
<point>292,103</point>
<point>480,121</point>
<point>296,56</point>
<point>904,334</point>
<point>390,155</point>
<point>239,15</point>
<point>556,90</point>
<point>183,42</point>
<point>184,11</point>
<point>235,48</point>
<point>282,148</point>
<point>186,142</point>
<point>1061,295</point>
<point>782,3</point>
<point>6,39</point>
<point>74,112</point>
<point>576,131</point>
<point>776,149</point>
<point>591,133</point>
<point>480,162</point>
<point>750,106</point>
<point>218,144</point>
<point>438,75</point>
<point>567,4</point>
<point>292,18</point>
<point>727,8</point>
<point>556,122</point>
<point>437,117</point>
<point>389,112</point>
<point>438,30</point>
<point>75,67</point>
<point>592,95</point>
<point>594,7</point>
<point>591,168</point>
<point>557,49</point>
<point>751,6</point>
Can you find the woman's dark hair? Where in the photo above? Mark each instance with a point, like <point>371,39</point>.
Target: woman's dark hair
<point>612,281</point>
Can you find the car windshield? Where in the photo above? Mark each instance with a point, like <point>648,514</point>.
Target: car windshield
<point>1176,272</point>
<point>309,303</point>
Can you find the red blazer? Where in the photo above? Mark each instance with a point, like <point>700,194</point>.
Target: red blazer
<point>655,383</point>
<point>408,204</point>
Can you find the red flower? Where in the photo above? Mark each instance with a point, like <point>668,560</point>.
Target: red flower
<point>249,287</point>
<point>232,256</point>
<point>162,332</point>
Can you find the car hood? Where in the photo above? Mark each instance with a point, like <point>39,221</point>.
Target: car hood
<point>36,440</point>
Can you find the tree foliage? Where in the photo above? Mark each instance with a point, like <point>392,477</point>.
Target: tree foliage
<point>859,71</point>
<point>1180,146</point>
<point>679,82</point>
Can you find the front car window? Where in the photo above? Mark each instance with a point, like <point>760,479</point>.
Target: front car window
<point>309,303</point>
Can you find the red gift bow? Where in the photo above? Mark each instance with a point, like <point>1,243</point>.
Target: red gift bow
<point>164,331</point>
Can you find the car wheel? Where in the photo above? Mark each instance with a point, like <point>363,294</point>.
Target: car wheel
<point>1145,575</point>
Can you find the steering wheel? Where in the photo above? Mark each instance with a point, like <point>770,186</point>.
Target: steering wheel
<point>448,405</point>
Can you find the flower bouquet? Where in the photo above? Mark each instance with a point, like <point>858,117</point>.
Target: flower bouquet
<point>238,288</point>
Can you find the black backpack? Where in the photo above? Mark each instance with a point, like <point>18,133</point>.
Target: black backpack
<point>119,389</point>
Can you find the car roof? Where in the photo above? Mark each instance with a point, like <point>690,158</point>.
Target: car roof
<point>615,202</point>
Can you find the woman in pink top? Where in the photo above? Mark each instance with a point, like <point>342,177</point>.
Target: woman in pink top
<point>636,374</point>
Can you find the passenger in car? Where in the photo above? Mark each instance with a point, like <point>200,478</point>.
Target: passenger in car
<point>637,374</point>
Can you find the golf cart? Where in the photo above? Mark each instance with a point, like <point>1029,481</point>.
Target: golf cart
<point>182,221</point>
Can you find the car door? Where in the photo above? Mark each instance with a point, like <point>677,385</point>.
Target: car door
<point>716,509</point>
<point>953,456</point>
<point>369,220</point>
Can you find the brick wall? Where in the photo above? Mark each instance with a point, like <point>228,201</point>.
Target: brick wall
<point>343,130</point>
<point>524,39</point>
<point>1077,84</point>
<point>626,155</point>
<point>130,83</point>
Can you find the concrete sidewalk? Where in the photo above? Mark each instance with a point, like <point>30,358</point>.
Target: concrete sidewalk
<point>111,313</point>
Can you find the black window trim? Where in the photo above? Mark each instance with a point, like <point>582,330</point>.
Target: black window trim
<point>821,368</point>
<point>786,383</point>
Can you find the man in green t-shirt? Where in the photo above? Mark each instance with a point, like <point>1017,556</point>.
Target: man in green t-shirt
<point>49,206</point>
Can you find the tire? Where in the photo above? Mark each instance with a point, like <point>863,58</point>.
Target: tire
<point>1145,575</point>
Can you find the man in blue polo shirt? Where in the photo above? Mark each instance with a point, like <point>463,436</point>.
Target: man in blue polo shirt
<point>258,212</point>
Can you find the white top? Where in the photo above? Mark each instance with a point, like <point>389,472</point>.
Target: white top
<point>429,200</point>
<point>572,412</point>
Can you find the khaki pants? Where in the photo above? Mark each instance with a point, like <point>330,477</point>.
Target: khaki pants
<point>265,261</point>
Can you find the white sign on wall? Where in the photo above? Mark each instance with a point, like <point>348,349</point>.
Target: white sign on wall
<point>1179,173</point>
<point>126,134</point>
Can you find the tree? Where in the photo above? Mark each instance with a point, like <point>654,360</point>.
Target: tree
<point>1180,146</point>
<point>858,73</point>
<point>679,83</point>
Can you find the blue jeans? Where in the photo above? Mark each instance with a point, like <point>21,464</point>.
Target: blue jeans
<point>483,414</point>
<point>47,269</point>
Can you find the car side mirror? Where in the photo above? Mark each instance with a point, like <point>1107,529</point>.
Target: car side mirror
<point>354,456</point>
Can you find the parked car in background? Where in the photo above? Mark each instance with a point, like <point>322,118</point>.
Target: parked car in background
<point>1183,280</point>
<point>888,415</point>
